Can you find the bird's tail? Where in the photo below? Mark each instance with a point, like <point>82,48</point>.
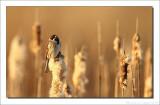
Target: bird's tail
<point>46,67</point>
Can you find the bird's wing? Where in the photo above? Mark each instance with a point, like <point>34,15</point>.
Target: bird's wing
<point>47,60</point>
<point>46,67</point>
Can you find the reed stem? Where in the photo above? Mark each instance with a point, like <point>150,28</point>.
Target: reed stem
<point>133,83</point>
<point>139,87</point>
<point>137,25</point>
<point>99,55</point>
<point>122,92</point>
<point>116,76</point>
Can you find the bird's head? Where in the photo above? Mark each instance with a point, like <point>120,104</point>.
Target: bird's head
<point>54,38</point>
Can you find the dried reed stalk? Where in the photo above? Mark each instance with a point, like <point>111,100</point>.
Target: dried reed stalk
<point>133,83</point>
<point>17,59</point>
<point>79,75</point>
<point>136,55</point>
<point>100,57</point>
<point>36,49</point>
<point>148,74</point>
<point>58,69</point>
<point>117,47</point>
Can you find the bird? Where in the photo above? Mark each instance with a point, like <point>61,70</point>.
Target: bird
<point>53,50</point>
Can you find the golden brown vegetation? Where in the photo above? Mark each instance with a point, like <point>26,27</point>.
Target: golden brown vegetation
<point>101,70</point>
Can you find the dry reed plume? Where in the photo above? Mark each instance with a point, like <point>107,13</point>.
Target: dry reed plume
<point>17,58</point>
<point>79,75</point>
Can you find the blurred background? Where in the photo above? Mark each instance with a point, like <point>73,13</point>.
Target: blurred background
<point>77,26</point>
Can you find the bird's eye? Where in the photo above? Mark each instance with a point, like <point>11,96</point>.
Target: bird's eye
<point>52,37</point>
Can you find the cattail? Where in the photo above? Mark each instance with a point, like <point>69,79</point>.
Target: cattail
<point>136,46</point>
<point>117,48</point>
<point>124,62</point>
<point>79,76</point>
<point>17,58</point>
<point>117,40</point>
<point>36,41</point>
<point>58,69</point>
<point>136,51</point>
<point>117,44</point>
<point>148,74</point>
<point>100,56</point>
<point>136,56</point>
<point>36,49</point>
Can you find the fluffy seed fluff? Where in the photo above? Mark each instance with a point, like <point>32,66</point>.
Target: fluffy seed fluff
<point>58,78</point>
<point>136,51</point>
<point>124,62</point>
<point>79,78</point>
<point>117,44</point>
<point>17,58</point>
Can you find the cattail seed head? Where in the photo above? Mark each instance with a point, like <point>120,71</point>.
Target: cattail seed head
<point>36,41</point>
<point>124,62</point>
<point>16,60</point>
<point>136,51</point>
<point>58,68</point>
<point>79,77</point>
<point>117,44</point>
